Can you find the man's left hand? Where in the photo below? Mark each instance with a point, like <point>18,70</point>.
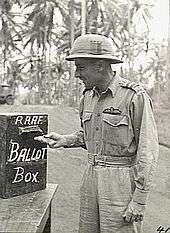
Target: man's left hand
<point>134,212</point>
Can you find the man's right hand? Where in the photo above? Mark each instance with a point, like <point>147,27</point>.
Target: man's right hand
<point>54,140</point>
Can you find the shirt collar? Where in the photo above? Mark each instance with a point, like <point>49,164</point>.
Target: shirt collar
<point>114,84</point>
<point>112,87</point>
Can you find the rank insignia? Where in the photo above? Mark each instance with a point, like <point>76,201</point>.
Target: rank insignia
<point>96,47</point>
<point>113,111</point>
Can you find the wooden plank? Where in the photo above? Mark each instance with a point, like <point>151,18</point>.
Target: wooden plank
<point>46,217</point>
<point>28,212</point>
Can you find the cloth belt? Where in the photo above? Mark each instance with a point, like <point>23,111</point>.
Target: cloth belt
<point>104,160</point>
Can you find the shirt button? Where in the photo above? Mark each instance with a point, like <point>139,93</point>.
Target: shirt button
<point>97,128</point>
<point>98,114</point>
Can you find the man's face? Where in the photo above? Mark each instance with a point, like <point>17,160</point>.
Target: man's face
<point>87,71</point>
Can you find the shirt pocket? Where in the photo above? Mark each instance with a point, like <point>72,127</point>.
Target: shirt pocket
<point>115,129</point>
<point>87,125</point>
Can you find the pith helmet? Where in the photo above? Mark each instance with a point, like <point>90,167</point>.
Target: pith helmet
<point>93,46</point>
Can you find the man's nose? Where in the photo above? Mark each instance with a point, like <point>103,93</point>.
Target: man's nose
<point>77,74</point>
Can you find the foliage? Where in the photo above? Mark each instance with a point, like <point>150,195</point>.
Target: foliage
<point>36,37</point>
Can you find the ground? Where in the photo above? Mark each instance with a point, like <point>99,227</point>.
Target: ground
<point>66,166</point>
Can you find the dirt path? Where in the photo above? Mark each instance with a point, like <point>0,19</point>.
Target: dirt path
<point>158,211</point>
<point>66,167</point>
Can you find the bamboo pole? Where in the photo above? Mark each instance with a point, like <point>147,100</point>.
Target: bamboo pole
<point>129,41</point>
<point>83,32</point>
<point>83,17</point>
<point>71,98</point>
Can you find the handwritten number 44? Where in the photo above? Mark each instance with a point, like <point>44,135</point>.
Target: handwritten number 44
<point>162,229</point>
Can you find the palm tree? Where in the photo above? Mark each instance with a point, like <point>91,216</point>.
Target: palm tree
<point>10,33</point>
<point>39,36</point>
<point>117,20</point>
<point>41,32</point>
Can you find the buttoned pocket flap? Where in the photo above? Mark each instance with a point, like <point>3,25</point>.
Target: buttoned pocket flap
<point>115,120</point>
<point>87,116</point>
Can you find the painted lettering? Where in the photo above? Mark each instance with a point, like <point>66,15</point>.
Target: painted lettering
<point>44,150</point>
<point>33,153</point>
<point>21,175</point>
<point>14,152</point>
<point>40,120</point>
<point>18,154</point>
<point>29,120</point>
<point>38,154</point>
<point>34,177</point>
<point>22,155</point>
<point>18,120</point>
<point>28,177</point>
<point>34,120</point>
<point>27,159</point>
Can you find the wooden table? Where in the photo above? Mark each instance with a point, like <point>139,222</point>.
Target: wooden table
<point>28,213</point>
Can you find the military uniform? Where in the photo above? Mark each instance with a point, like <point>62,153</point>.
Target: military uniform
<point>119,133</point>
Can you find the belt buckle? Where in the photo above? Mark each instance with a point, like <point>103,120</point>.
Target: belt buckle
<point>92,159</point>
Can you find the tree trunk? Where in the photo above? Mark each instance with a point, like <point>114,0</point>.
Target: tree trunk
<point>130,49</point>
<point>38,78</point>
<point>83,17</point>
<point>92,18</point>
<point>71,9</point>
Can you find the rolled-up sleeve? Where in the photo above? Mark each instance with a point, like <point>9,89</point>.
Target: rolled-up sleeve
<point>146,137</point>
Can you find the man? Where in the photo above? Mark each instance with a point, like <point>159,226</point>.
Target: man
<point>119,133</point>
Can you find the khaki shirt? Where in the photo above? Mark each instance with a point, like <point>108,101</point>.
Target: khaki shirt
<point>120,123</point>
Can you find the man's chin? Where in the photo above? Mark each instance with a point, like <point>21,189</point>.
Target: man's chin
<point>86,85</point>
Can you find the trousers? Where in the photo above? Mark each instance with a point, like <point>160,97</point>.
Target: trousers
<point>104,195</point>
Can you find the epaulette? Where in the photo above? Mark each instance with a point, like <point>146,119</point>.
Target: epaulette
<point>132,85</point>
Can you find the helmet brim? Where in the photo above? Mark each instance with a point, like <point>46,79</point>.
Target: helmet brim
<point>113,60</point>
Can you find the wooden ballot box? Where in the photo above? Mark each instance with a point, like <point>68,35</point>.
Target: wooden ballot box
<point>23,161</point>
